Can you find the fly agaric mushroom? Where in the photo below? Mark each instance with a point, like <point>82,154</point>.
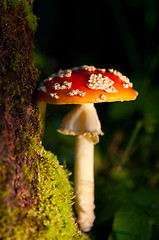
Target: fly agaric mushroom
<point>84,86</point>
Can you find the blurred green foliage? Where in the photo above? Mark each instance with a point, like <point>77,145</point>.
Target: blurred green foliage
<point>127,157</point>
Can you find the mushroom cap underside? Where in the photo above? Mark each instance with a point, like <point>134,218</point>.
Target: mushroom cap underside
<point>82,120</point>
<point>78,86</point>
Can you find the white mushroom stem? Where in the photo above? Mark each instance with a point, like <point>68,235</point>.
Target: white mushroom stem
<point>84,182</point>
<point>83,122</point>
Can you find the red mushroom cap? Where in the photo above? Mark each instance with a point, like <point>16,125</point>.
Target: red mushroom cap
<point>86,84</point>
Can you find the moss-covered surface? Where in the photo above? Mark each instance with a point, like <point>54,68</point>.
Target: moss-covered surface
<point>51,217</point>
<point>36,195</point>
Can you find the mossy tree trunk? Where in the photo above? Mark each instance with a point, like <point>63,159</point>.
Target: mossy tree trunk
<point>35,194</point>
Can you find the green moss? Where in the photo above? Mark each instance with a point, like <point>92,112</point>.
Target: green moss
<point>55,199</point>
<point>52,218</point>
<point>24,229</point>
<point>30,17</point>
<point>10,3</point>
<point>3,191</point>
<point>14,63</point>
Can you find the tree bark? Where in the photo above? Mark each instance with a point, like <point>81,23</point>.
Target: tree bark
<point>18,112</point>
<point>30,178</point>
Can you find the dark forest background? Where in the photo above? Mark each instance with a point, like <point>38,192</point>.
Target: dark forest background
<point>123,35</point>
